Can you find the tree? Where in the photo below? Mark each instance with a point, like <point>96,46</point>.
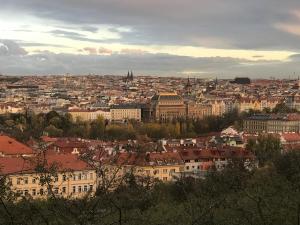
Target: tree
<point>98,128</point>
<point>283,108</point>
<point>266,148</point>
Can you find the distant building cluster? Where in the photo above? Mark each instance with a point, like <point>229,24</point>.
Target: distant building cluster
<point>121,98</point>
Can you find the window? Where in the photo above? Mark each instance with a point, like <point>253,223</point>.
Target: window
<point>64,190</point>
<point>187,167</point>
<point>74,189</point>
<point>33,192</point>
<point>55,190</point>
<point>64,177</point>
<point>33,180</point>
<point>55,178</point>
<point>165,171</point>
<point>74,177</point>
<point>79,189</point>
<point>156,172</point>
<point>79,176</point>
<point>26,180</point>
<point>165,178</point>
<point>91,187</point>
<point>172,171</point>
<point>25,192</point>
<point>85,176</point>
<point>91,176</point>
<point>41,191</point>
<point>85,188</point>
<point>18,180</point>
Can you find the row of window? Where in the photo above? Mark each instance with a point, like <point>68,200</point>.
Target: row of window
<point>79,176</point>
<point>84,188</point>
<point>163,171</point>
<point>41,192</point>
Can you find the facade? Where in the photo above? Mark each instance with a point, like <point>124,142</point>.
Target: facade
<point>126,112</point>
<point>89,115</point>
<point>293,102</point>
<point>246,104</point>
<point>272,123</point>
<point>198,111</point>
<point>154,165</point>
<point>167,106</point>
<point>73,178</point>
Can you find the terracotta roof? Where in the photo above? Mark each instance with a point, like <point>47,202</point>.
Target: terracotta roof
<point>62,162</point>
<point>291,137</point>
<point>9,146</point>
<point>15,165</point>
<point>148,159</point>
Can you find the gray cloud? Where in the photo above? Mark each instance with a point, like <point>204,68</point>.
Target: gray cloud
<point>9,47</point>
<point>230,23</point>
<point>43,63</point>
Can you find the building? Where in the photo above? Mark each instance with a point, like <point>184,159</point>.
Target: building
<point>125,112</point>
<point>89,115</point>
<point>273,123</point>
<point>153,165</point>
<point>241,80</point>
<point>35,177</point>
<point>198,110</point>
<point>293,102</point>
<point>166,106</point>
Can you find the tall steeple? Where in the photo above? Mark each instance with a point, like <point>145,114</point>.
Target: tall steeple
<point>131,75</point>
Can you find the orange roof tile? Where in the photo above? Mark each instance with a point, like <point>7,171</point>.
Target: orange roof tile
<point>9,146</point>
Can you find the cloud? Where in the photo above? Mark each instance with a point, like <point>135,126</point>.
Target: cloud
<point>9,47</point>
<point>44,63</point>
<point>105,51</point>
<point>216,24</point>
<point>133,51</point>
<point>91,51</point>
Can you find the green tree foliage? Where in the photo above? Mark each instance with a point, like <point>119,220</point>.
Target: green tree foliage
<point>266,148</point>
<point>27,125</point>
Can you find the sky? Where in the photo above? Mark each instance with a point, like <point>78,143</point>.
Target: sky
<point>188,38</point>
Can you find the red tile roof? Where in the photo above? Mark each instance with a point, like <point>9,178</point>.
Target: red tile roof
<point>291,137</point>
<point>9,146</point>
<point>61,162</point>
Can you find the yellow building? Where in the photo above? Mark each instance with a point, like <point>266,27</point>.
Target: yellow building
<point>57,175</point>
<point>160,166</point>
<point>89,115</point>
<point>126,112</point>
<point>198,111</point>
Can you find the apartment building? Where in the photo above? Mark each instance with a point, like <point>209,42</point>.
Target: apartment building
<point>89,115</point>
<point>198,110</point>
<point>274,123</point>
<point>125,112</point>
<point>61,175</point>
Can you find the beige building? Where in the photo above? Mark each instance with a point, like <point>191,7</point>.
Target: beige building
<point>246,104</point>
<point>126,112</point>
<point>198,111</point>
<point>160,166</point>
<point>167,106</point>
<point>272,123</point>
<point>72,178</point>
<point>89,115</point>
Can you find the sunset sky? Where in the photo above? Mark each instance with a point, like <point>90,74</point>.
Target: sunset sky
<point>195,38</point>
